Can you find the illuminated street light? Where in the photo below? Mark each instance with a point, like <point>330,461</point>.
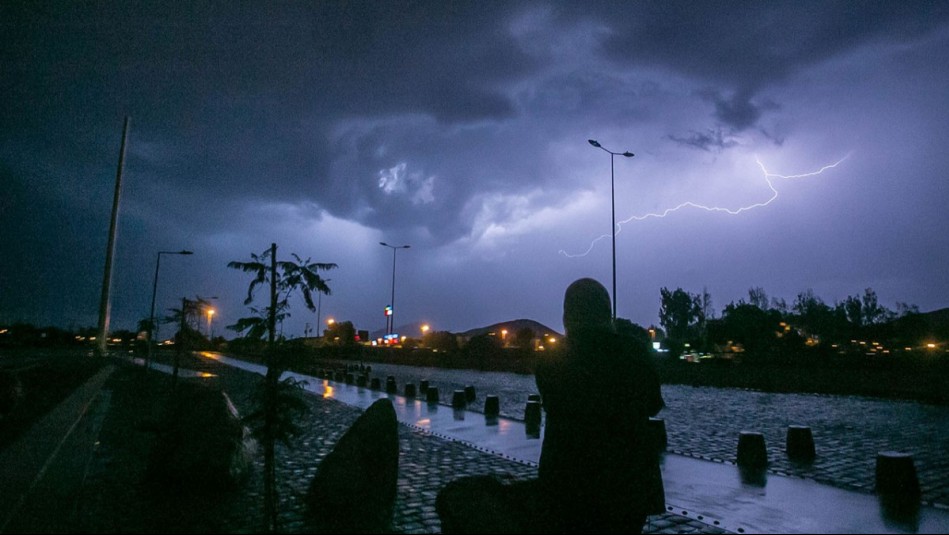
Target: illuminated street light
<point>612,210</point>
<point>210,314</point>
<point>390,320</point>
<point>151,317</point>
<point>425,329</point>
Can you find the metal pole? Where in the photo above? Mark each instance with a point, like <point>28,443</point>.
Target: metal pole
<point>392,301</point>
<point>105,303</point>
<point>151,316</point>
<point>627,154</point>
<point>613,225</point>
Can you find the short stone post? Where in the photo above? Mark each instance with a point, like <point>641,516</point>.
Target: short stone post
<point>492,405</point>
<point>410,390</point>
<point>390,385</point>
<point>533,397</point>
<point>800,443</point>
<point>532,413</point>
<point>431,395</point>
<point>532,416</point>
<point>350,378</point>
<point>896,475</point>
<point>422,386</point>
<point>751,450</point>
<point>458,399</point>
<point>469,393</point>
<point>375,384</point>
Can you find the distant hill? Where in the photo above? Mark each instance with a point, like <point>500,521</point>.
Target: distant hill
<point>935,323</point>
<point>414,329</point>
<point>512,327</point>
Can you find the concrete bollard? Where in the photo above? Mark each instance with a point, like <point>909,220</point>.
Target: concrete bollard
<point>532,416</point>
<point>422,386</point>
<point>375,384</point>
<point>368,369</point>
<point>896,475</point>
<point>533,397</point>
<point>469,393</point>
<point>492,405</point>
<point>362,380</point>
<point>657,432</point>
<point>431,395</point>
<point>751,450</point>
<point>458,400</point>
<point>800,443</point>
<point>532,413</point>
<point>339,376</point>
<point>410,390</point>
<point>390,385</point>
<point>350,378</point>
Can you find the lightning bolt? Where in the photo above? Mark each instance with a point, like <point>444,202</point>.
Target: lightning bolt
<point>768,176</point>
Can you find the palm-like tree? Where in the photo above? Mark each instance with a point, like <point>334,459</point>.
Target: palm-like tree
<point>284,278</point>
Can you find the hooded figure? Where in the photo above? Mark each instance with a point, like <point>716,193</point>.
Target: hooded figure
<point>599,468</point>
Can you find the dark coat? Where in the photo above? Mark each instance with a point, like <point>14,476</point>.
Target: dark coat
<point>599,467</point>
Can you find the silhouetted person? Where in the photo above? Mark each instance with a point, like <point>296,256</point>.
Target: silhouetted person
<point>599,469</point>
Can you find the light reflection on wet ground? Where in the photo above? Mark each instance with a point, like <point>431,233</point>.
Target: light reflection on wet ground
<point>182,372</point>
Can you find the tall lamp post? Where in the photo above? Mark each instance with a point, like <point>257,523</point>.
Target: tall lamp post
<point>612,210</point>
<point>390,324</point>
<point>319,310</point>
<point>151,317</point>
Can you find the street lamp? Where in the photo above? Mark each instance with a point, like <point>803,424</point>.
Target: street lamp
<point>319,308</point>
<point>210,313</point>
<point>612,211</point>
<point>390,324</point>
<point>151,317</point>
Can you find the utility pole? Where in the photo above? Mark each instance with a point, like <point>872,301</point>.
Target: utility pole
<point>105,303</point>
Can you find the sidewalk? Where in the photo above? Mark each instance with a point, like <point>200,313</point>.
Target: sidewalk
<point>43,470</point>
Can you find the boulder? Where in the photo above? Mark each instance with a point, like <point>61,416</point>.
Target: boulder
<point>201,445</point>
<point>355,485</point>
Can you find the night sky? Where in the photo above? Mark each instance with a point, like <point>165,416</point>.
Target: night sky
<point>461,128</point>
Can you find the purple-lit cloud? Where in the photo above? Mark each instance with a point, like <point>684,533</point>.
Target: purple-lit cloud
<point>461,128</point>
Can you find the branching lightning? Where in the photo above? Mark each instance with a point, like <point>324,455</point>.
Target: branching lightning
<point>768,176</point>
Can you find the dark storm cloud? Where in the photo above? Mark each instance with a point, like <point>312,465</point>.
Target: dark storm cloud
<point>239,101</point>
<point>459,127</point>
<point>712,140</point>
<point>745,46</point>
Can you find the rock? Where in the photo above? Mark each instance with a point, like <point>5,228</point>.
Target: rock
<point>355,486</point>
<point>201,444</point>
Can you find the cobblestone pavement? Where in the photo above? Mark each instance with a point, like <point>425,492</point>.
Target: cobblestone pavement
<point>426,464</point>
<point>704,422</point>
<point>848,433</point>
